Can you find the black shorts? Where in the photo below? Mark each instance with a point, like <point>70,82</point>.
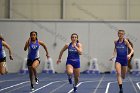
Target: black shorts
<point>3,59</point>
<point>30,62</point>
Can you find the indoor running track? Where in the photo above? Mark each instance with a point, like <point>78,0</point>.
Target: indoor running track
<point>57,83</point>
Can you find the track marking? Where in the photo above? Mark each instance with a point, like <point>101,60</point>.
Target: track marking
<point>133,84</point>
<point>14,85</point>
<point>76,86</point>
<point>46,86</point>
<point>108,85</point>
<point>16,88</point>
<point>13,79</point>
<point>138,85</point>
<point>82,83</point>
<point>99,84</point>
<point>58,88</point>
<point>43,79</point>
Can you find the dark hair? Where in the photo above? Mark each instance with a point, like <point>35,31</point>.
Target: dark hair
<point>76,35</point>
<point>128,39</point>
<point>121,31</point>
<point>1,38</point>
<point>33,32</point>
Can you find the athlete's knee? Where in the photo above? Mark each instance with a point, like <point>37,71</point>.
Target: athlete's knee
<point>34,66</point>
<point>118,73</point>
<point>69,72</point>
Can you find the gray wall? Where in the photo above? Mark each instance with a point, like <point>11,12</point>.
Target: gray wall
<point>97,38</point>
<point>72,9</point>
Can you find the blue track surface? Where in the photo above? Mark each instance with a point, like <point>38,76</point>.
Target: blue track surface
<point>57,83</point>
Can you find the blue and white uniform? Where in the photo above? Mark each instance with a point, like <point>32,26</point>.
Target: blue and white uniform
<point>73,56</point>
<point>122,51</point>
<point>33,52</point>
<point>2,53</point>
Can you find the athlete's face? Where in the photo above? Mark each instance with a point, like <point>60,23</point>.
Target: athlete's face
<point>74,38</point>
<point>121,34</point>
<point>33,36</point>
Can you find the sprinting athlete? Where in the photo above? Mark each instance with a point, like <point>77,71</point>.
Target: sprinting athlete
<point>122,57</point>
<point>73,59</point>
<point>33,59</point>
<point>3,45</point>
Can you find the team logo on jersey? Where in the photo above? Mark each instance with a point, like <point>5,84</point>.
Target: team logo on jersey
<point>72,50</point>
<point>34,46</point>
<point>120,47</point>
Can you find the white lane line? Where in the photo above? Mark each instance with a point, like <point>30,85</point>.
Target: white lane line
<point>108,85</point>
<point>133,84</point>
<point>99,84</point>
<point>14,85</point>
<point>16,88</point>
<point>12,80</point>
<point>76,86</point>
<point>58,88</point>
<point>82,83</point>
<point>24,86</point>
<point>138,85</point>
<point>46,86</point>
<point>107,88</point>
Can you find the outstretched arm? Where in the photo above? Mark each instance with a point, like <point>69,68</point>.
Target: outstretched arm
<point>61,53</point>
<point>9,49</point>
<point>114,52</point>
<point>26,44</point>
<point>44,46</point>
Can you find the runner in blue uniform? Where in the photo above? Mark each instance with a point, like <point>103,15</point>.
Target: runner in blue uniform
<point>33,59</point>
<point>73,59</point>
<point>3,45</point>
<point>122,57</point>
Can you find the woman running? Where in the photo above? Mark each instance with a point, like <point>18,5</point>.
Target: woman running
<point>3,45</point>
<point>129,61</point>
<point>33,59</point>
<point>73,59</point>
<point>121,50</point>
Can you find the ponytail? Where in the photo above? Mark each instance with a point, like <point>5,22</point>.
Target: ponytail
<point>77,41</point>
<point>2,38</point>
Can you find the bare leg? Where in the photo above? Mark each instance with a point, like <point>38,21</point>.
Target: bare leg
<point>34,66</point>
<point>30,74</point>
<point>124,71</point>
<point>119,77</point>
<point>118,70</point>
<point>76,78</point>
<point>3,68</point>
<point>69,69</point>
<point>76,75</point>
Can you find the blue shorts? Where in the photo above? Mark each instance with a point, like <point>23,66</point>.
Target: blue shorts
<point>122,60</point>
<point>74,63</point>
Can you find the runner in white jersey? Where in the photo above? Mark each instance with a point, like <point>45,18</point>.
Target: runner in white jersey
<point>33,60</point>
<point>3,45</point>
